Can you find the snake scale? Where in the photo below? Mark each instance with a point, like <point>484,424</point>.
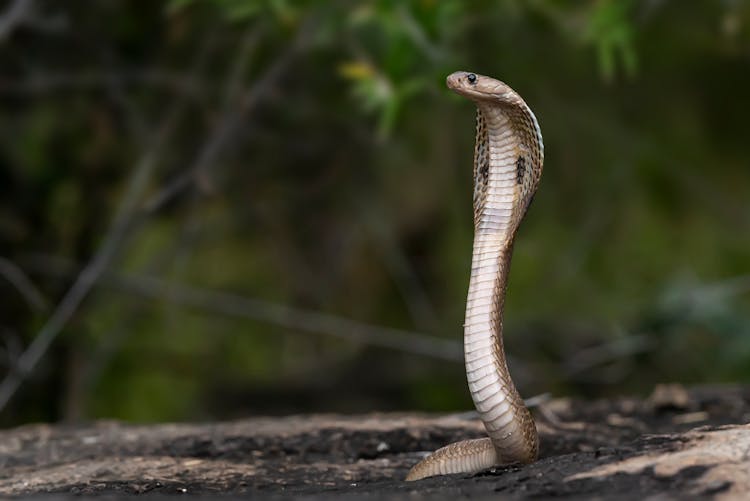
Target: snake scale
<point>508,158</point>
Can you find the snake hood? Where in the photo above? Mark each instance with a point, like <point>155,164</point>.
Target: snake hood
<point>484,90</point>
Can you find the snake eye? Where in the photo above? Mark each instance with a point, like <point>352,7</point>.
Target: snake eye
<point>472,78</point>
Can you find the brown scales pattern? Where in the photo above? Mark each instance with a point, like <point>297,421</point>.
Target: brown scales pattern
<point>481,166</point>
<point>520,169</point>
<point>531,438</point>
<point>530,156</point>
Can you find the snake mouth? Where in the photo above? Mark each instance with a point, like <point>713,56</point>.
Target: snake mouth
<point>459,82</point>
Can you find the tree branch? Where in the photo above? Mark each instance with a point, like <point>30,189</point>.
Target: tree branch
<point>25,287</point>
<point>279,314</point>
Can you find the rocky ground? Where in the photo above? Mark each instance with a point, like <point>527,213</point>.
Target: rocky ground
<point>678,443</point>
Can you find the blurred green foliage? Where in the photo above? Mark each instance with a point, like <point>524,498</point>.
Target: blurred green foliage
<point>345,189</point>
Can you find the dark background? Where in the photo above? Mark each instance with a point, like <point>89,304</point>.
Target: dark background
<point>215,209</point>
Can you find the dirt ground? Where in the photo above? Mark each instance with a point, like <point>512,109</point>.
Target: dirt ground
<point>677,443</point>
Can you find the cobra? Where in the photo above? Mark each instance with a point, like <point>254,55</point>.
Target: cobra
<point>508,158</point>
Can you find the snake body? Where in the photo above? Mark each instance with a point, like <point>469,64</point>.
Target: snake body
<point>508,158</point>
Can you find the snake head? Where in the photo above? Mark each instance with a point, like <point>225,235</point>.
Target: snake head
<point>479,87</point>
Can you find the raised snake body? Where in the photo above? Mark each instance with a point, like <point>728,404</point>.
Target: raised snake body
<point>508,158</point>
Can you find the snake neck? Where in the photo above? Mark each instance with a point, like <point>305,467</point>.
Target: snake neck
<point>499,174</point>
